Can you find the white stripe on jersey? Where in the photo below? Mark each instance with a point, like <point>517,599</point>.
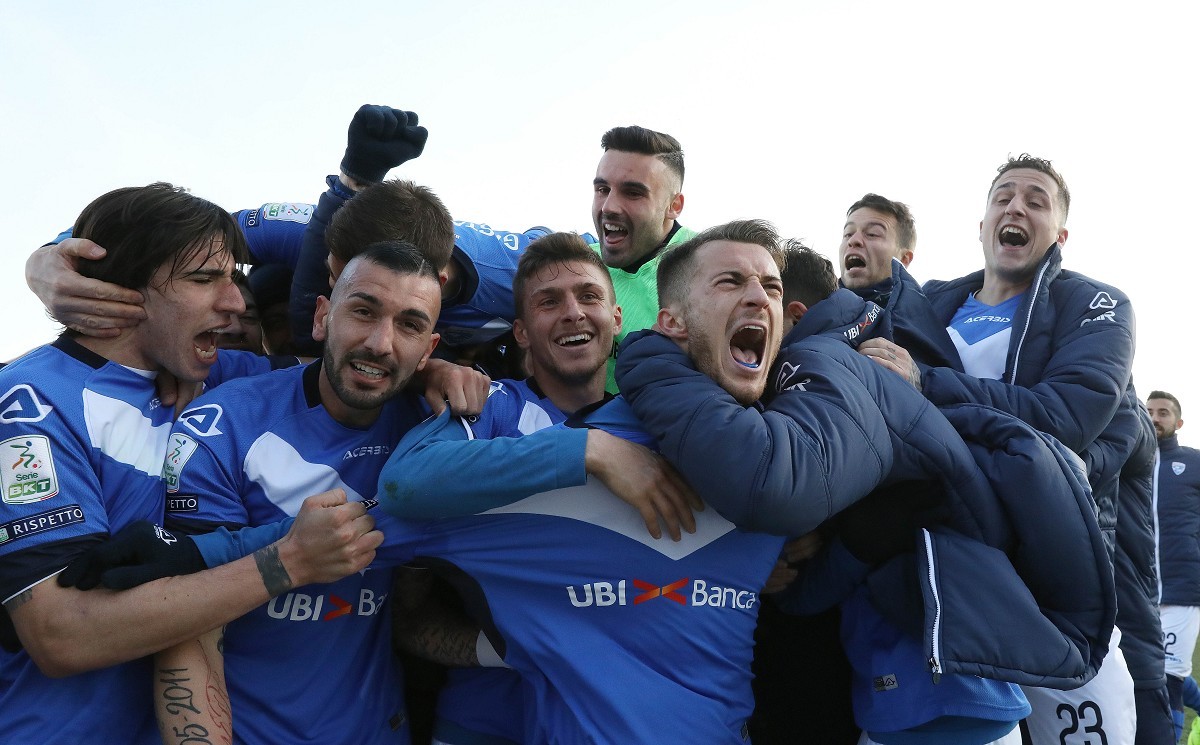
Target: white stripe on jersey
<point>286,477</point>
<point>120,431</point>
<point>533,418</point>
<point>594,504</point>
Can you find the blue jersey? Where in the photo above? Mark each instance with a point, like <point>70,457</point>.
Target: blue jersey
<point>480,704</point>
<point>487,259</point>
<point>249,453</point>
<point>619,637</point>
<point>83,442</point>
<point>274,231</point>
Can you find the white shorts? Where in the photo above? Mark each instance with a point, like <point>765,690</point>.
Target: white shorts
<point>1181,624</point>
<point>1100,711</point>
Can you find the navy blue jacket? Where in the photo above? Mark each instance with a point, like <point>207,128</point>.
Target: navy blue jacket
<point>1177,494</point>
<point>1069,374</point>
<point>837,427</point>
<point>908,319</point>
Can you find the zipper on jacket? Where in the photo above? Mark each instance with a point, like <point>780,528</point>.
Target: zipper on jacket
<point>1030,300</point>
<point>935,663</point>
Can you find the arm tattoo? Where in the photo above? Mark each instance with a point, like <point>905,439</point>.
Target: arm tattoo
<point>271,569</point>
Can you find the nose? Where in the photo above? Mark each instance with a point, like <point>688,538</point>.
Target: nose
<point>571,308</point>
<point>855,239</point>
<point>756,295</point>
<point>610,204</point>
<point>379,341</point>
<point>231,300</point>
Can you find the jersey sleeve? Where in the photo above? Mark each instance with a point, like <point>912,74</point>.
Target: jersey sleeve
<point>275,231</point>
<point>53,504</point>
<point>203,476</point>
<point>488,472</point>
<point>311,278</point>
<point>223,545</point>
<point>236,363</point>
<point>782,470</point>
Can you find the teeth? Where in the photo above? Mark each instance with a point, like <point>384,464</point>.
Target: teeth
<point>563,341</point>
<point>206,354</point>
<point>610,227</point>
<point>368,371</point>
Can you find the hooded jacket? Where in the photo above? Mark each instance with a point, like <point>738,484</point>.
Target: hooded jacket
<point>1069,374</point>
<point>860,427</point>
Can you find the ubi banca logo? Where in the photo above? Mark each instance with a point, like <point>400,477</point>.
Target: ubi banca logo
<point>686,592</point>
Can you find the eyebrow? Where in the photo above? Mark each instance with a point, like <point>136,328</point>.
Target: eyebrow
<point>735,274</point>
<point>867,224</point>
<point>1013,185</point>
<point>374,301</point>
<point>637,185</point>
<point>206,271</point>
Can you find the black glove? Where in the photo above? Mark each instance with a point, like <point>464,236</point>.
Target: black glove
<point>139,553</point>
<point>885,522</point>
<point>379,139</point>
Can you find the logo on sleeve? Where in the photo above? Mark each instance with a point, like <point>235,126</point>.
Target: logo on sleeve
<point>1178,468</point>
<point>179,450</point>
<point>1103,301</point>
<point>288,211</point>
<point>787,379</point>
<point>21,404</point>
<point>28,470</point>
<point>41,522</point>
<point>203,420</point>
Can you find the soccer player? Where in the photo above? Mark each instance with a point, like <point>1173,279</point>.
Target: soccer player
<point>86,435</point>
<point>1177,496</point>
<point>246,454</point>
<point>1055,348</point>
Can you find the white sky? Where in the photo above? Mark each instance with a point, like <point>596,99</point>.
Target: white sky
<point>786,111</point>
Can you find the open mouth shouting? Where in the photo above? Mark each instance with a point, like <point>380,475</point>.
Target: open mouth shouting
<point>205,345</point>
<point>748,346</point>
<point>1011,235</point>
<point>614,232</point>
<point>854,261</point>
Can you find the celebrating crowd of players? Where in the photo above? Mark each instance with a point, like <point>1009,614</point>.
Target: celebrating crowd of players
<point>933,505</point>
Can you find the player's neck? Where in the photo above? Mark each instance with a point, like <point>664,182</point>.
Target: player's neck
<point>569,397</point>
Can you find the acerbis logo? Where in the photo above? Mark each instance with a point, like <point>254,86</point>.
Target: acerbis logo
<point>1105,316</point>
<point>786,380</point>
<point>604,594</point>
<point>21,404</point>
<point>1102,301</point>
<point>299,606</point>
<point>203,419</point>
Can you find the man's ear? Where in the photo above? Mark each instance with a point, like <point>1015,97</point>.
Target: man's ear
<point>1062,236</point>
<point>320,318</point>
<point>675,207</point>
<point>433,342</point>
<point>617,318</point>
<point>671,324</point>
<point>906,257</point>
<point>795,310</point>
<point>521,334</point>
